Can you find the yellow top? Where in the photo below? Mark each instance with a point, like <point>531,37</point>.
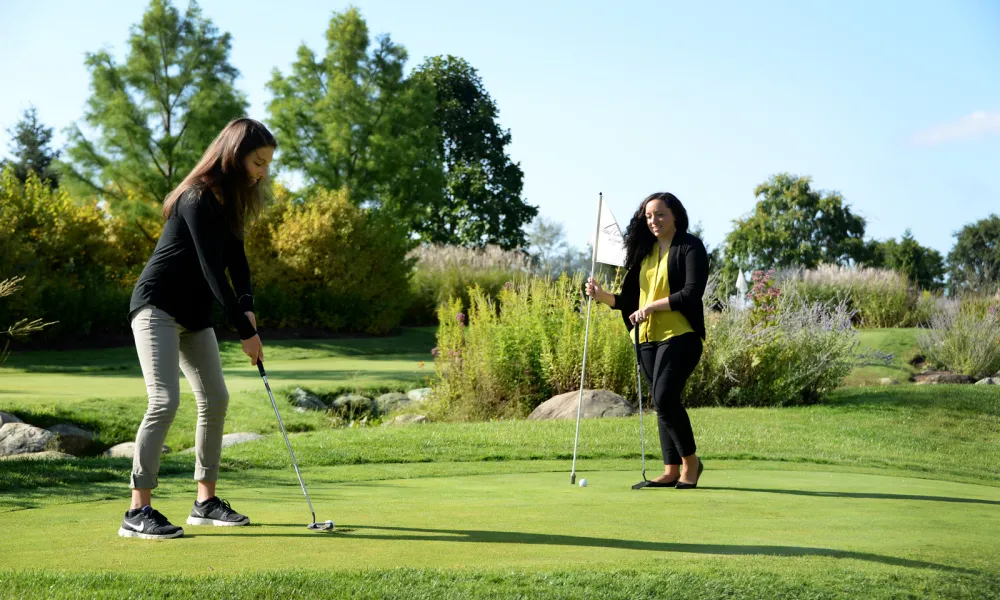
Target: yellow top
<point>654,284</point>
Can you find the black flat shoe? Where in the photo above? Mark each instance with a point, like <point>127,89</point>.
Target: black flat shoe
<point>663,483</point>
<point>690,486</point>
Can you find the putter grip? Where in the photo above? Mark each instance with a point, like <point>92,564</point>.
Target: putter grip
<point>260,367</point>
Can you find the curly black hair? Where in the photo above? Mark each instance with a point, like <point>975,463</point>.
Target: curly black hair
<point>639,239</point>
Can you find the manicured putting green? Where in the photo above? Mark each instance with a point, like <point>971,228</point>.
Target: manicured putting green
<point>741,519</point>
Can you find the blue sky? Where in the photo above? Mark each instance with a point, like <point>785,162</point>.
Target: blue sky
<point>894,104</point>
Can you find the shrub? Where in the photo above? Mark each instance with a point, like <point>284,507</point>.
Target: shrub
<point>444,272</point>
<point>877,297</point>
<point>509,355</point>
<point>964,338</point>
<point>505,357</point>
<point>329,264</point>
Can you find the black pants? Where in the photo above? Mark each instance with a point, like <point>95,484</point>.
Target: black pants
<point>667,366</point>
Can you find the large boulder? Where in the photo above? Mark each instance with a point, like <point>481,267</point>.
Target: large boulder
<point>392,401</point>
<point>354,405</point>
<point>126,450</point>
<point>72,439</point>
<point>232,439</point>
<point>941,377</point>
<point>989,381</point>
<point>306,400</point>
<point>407,420</point>
<point>419,394</point>
<point>8,418</point>
<point>596,403</point>
<point>21,438</point>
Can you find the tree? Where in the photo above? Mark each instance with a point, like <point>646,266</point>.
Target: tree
<point>482,201</point>
<point>794,226</point>
<point>546,243</point>
<point>350,119</point>
<point>29,147</point>
<point>921,265</point>
<point>974,261</point>
<point>153,116</point>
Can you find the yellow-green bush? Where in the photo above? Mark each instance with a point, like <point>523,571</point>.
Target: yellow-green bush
<point>329,264</point>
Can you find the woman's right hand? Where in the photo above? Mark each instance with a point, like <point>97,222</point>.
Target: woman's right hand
<point>594,289</point>
<point>253,348</point>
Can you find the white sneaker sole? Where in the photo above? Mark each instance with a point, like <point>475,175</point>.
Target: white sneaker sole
<point>128,533</point>
<point>201,521</point>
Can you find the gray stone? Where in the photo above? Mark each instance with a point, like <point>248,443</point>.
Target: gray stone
<point>989,381</point>
<point>354,404</point>
<point>887,381</point>
<point>306,400</point>
<point>126,450</point>
<point>8,418</point>
<point>407,420</point>
<point>232,439</point>
<point>21,438</point>
<point>72,439</point>
<point>392,401</point>
<point>596,403</point>
<point>46,455</point>
<point>419,395</point>
<point>941,377</point>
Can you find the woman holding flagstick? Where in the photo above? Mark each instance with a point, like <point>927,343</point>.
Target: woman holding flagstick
<point>666,273</point>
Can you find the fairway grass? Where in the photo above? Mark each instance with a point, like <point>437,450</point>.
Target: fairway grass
<point>796,525</point>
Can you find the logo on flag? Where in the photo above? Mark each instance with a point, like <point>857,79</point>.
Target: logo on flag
<point>610,242</point>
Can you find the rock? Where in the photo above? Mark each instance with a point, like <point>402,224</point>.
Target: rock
<point>126,450</point>
<point>940,377</point>
<point>21,438</point>
<point>72,439</point>
<point>306,400</point>
<point>232,439</point>
<point>354,405</point>
<point>596,403</point>
<point>887,381</point>
<point>392,401</point>
<point>407,420</point>
<point>46,455</point>
<point>8,418</point>
<point>419,395</point>
<point>989,381</point>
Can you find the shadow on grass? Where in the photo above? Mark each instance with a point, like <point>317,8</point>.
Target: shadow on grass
<point>412,534</point>
<point>861,495</point>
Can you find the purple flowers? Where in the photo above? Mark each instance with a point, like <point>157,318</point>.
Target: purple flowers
<point>434,352</point>
<point>460,317</point>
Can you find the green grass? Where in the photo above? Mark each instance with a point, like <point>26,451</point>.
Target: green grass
<point>900,343</point>
<point>881,492</point>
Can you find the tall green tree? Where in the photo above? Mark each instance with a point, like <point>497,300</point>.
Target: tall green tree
<point>921,265</point>
<point>482,202</point>
<point>974,261</point>
<point>794,225</point>
<point>149,119</point>
<point>351,119</point>
<point>30,151</point>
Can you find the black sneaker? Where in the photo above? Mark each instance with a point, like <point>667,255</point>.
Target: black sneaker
<point>148,524</point>
<point>216,511</point>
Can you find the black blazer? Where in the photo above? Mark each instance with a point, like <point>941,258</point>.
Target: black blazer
<point>687,273</point>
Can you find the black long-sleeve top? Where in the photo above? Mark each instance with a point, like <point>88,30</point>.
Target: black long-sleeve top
<point>188,267</point>
<point>687,272</point>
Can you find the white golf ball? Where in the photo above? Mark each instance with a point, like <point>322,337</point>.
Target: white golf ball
<point>583,483</point>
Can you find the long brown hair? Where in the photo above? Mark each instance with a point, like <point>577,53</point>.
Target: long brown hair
<point>639,239</point>
<point>222,167</point>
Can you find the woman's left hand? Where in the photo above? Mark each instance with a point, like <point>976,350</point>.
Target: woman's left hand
<point>640,315</point>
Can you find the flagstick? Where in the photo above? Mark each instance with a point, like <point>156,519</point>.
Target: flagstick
<point>586,337</point>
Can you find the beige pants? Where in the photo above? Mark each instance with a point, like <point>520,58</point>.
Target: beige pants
<point>163,347</point>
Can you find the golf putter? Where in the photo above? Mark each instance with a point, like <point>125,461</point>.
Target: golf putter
<point>642,431</point>
<point>314,526</point>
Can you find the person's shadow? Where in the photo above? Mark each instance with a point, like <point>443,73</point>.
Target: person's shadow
<point>860,495</point>
<point>416,534</point>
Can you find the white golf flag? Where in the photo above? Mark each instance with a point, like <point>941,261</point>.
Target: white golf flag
<point>611,243</point>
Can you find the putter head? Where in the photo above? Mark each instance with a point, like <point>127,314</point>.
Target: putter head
<point>324,526</point>
<point>641,484</point>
